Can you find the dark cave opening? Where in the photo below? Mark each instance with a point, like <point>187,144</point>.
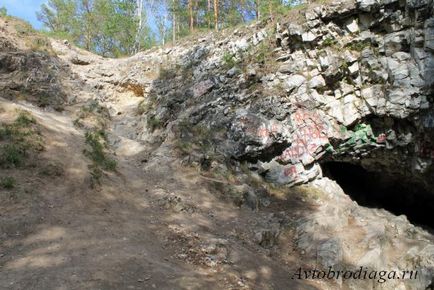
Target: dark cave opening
<point>377,190</point>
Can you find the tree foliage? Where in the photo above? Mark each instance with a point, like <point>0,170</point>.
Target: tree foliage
<point>122,27</point>
<point>107,27</point>
<point>3,11</point>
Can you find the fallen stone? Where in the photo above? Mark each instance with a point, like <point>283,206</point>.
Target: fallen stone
<point>202,88</point>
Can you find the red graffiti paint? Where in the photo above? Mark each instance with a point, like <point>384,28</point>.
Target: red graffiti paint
<point>265,132</point>
<point>309,136</point>
<point>381,138</point>
<point>290,171</point>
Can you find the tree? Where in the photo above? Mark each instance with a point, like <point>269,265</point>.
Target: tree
<point>107,27</point>
<point>120,27</point>
<point>258,9</point>
<point>173,11</point>
<point>140,16</point>
<point>190,13</point>
<point>3,11</point>
<point>216,15</point>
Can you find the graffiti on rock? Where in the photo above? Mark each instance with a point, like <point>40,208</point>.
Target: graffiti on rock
<point>381,138</point>
<point>310,134</point>
<point>265,131</point>
<point>290,171</point>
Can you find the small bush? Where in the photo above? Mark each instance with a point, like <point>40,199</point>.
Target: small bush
<point>40,44</point>
<point>329,41</point>
<point>154,123</point>
<point>24,119</point>
<point>142,108</point>
<point>7,182</point>
<point>94,114</point>
<point>96,175</point>
<point>92,106</point>
<point>3,12</point>
<point>263,52</point>
<point>12,155</point>
<point>229,60</point>
<point>358,46</point>
<point>6,132</point>
<point>96,141</point>
<point>19,138</point>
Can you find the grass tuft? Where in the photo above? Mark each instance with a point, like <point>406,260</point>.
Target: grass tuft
<point>7,182</point>
<point>96,142</point>
<point>17,139</point>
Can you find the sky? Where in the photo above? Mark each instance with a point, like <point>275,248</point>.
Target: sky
<point>25,9</point>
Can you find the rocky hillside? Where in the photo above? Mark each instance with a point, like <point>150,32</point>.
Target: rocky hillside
<point>234,158</point>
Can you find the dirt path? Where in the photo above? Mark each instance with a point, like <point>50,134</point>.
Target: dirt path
<point>152,225</point>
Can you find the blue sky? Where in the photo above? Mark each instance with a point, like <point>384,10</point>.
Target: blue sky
<point>25,9</point>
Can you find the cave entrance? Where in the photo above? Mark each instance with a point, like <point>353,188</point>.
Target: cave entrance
<point>377,191</point>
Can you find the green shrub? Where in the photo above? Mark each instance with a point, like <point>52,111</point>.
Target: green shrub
<point>96,175</point>
<point>329,41</point>
<point>19,138</point>
<point>12,155</point>
<point>24,119</point>
<point>229,60</point>
<point>142,107</point>
<point>154,123</point>
<point>3,12</point>
<point>93,111</point>
<point>96,142</point>
<point>263,52</point>
<point>7,182</point>
<point>359,45</point>
<point>6,132</point>
<point>24,28</point>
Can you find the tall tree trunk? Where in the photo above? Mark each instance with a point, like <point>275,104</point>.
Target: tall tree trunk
<point>209,14</point>
<point>195,14</point>
<point>258,9</point>
<point>139,7</point>
<point>190,10</point>
<point>243,8</point>
<point>216,15</point>
<point>173,22</point>
<point>88,24</point>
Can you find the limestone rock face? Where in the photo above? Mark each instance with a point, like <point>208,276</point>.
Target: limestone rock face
<point>33,76</point>
<point>352,83</point>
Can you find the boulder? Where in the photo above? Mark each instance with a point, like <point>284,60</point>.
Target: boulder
<point>202,88</point>
<point>317,82</point>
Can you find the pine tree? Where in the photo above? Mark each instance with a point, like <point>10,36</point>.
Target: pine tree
<point>120,27</point>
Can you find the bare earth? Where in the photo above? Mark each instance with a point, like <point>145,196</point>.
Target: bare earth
<point>151,225</point>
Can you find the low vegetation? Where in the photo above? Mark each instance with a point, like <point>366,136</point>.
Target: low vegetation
<point>93,118</point>
<point>20,143</point>
<point>229,60</point>
<point>7,182</point>
<point>358,45</point>
<point>18,140</point>
<point>96,151</point>
<point>97,145</point>
<point>34,40</point>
